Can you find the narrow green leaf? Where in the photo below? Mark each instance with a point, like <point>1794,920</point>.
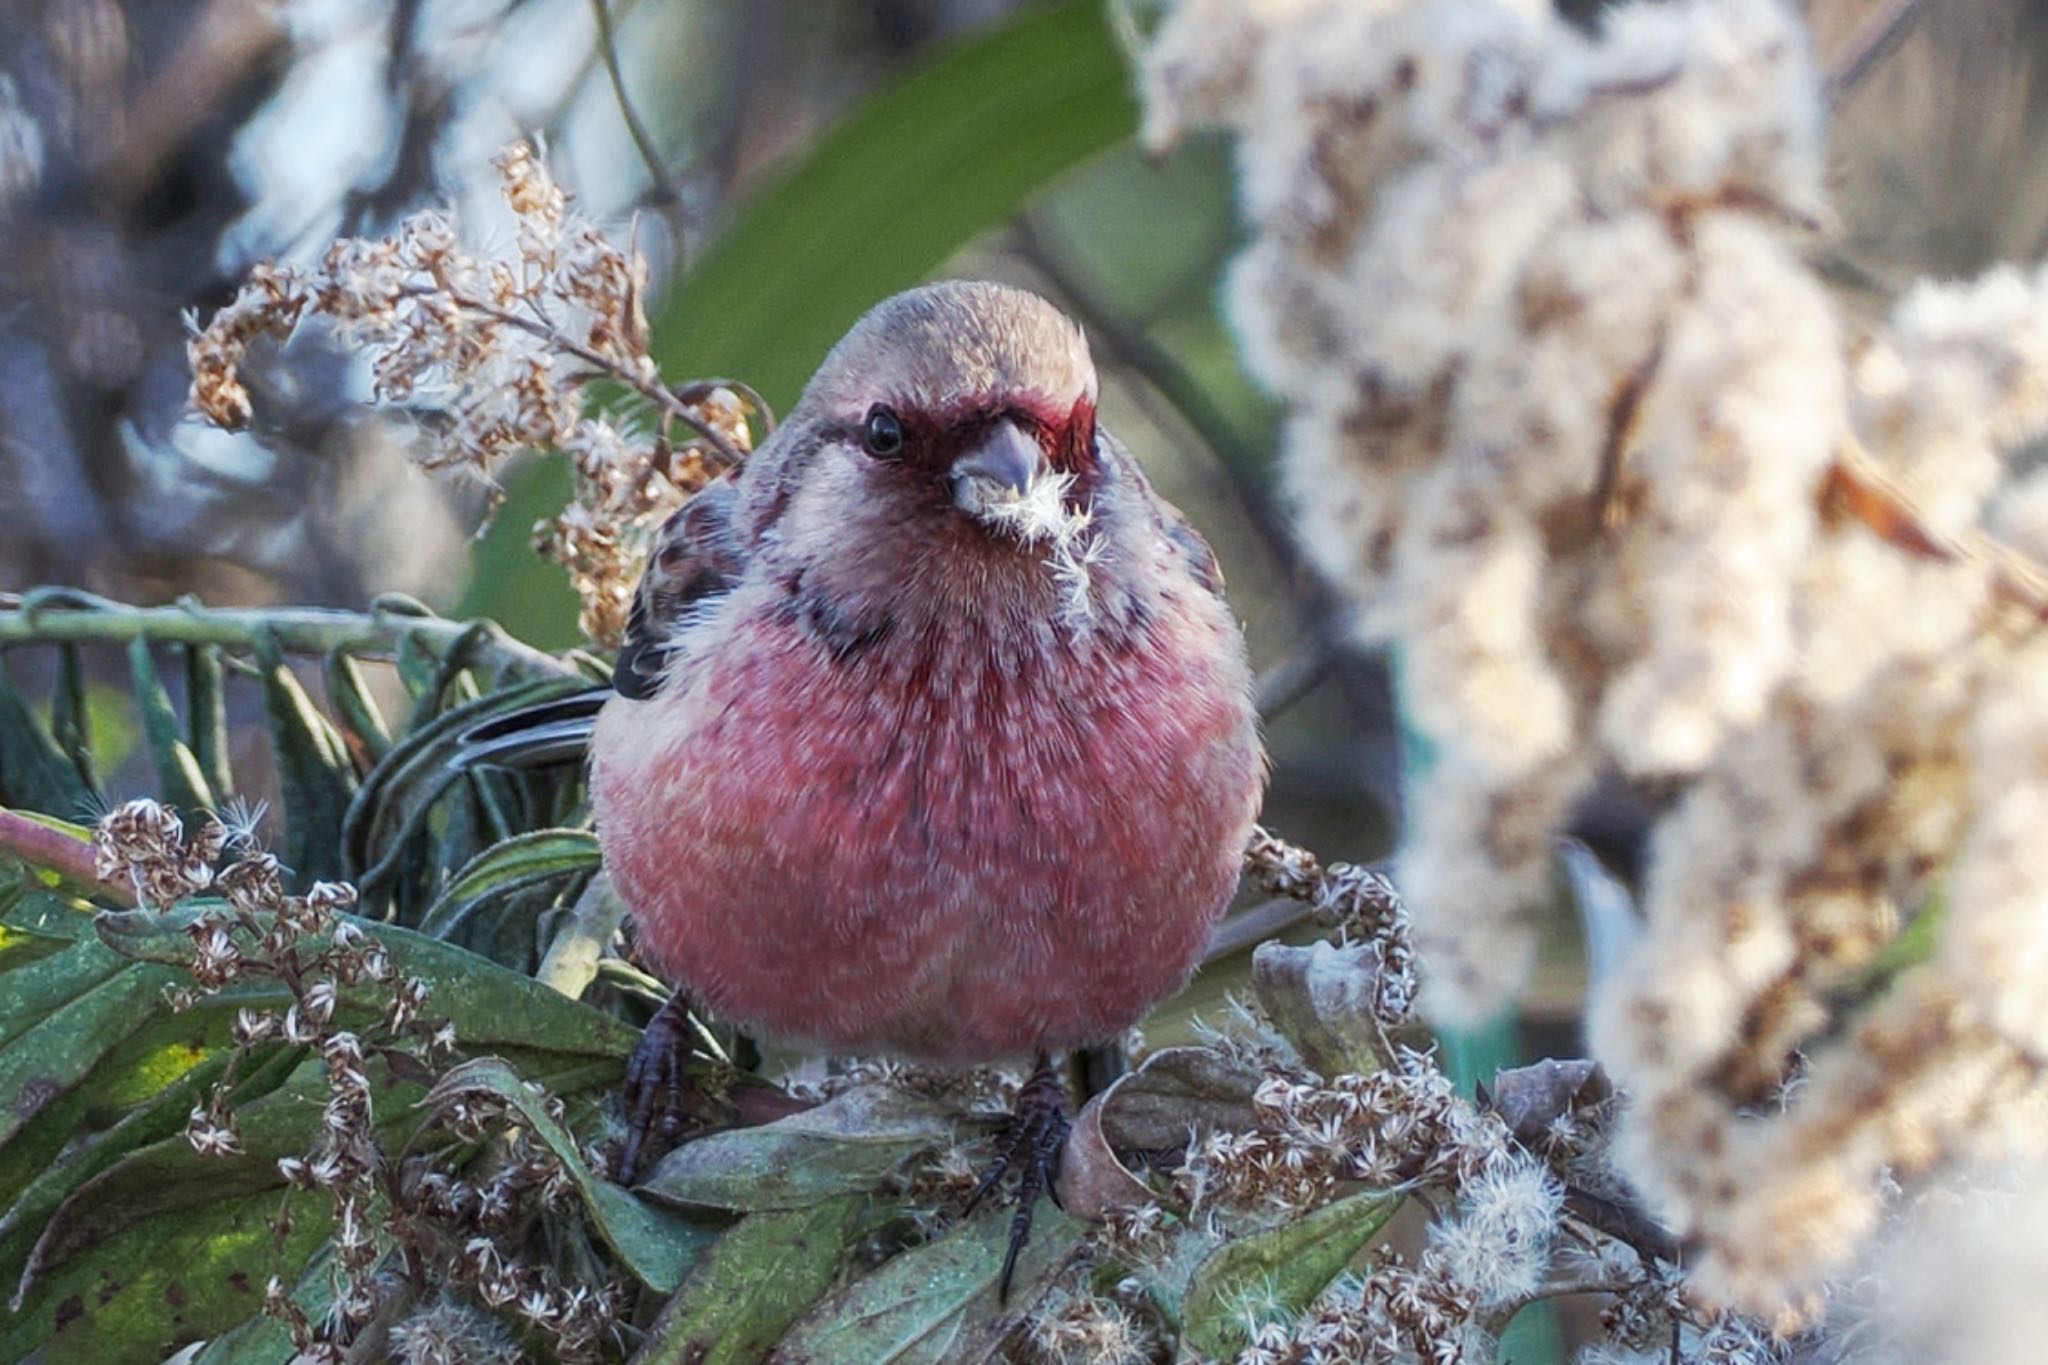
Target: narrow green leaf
<point>262,1339</point>
<point>314,772</point>
<point>178,775</point>
<point>35,774</point>
<point>758,1279</point>
<point>656,1246</point>
<point>206,717</point>
<point>168,1177</point>
<point>37,991</point>
<point>1277,1273</point>
<point>935,1303</point>
<point>362,723</point>
<point>394,800</point>
<point>544,855</point>
<point>853,1142</point>
<point>69,724</point>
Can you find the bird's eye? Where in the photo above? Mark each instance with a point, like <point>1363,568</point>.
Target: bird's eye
<point>883,433</point>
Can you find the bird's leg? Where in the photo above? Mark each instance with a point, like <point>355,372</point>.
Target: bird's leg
<point>655,1084</point>
<point>1030,1142</point>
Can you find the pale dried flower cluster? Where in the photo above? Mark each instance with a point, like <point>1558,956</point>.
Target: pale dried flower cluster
<point>1495,1177</point>
<point>497,355</point>
<point>1581,432</point>
<point>254,932</point>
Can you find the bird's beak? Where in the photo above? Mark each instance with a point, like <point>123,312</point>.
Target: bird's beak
<point>1004,465</point>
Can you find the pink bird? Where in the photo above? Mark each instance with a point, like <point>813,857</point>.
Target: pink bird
<point>932,734</point>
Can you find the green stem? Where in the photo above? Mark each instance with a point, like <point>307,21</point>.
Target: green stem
<point>54,615</point>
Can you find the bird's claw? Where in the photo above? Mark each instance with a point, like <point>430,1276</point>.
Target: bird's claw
<point>655,1086</point>
<point>1030,1143</point>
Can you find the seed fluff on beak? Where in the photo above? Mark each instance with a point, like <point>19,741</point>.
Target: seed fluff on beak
<point>1007,484</point>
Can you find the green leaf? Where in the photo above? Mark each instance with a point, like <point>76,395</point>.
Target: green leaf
<point>1277,1273</point>
<point>494,1008</point>
<point>758,1279</point>
<point>879,203</point>
<point>69,722</point>
<point>853,1142</point>
<point>54,1053</point>
<point>313,770</point>
<point>178,775</point>
<point>893,191</point>
<point>935,1303</point>
<point>164,1282</point>
<point>35,774</point>
<point>206,712</point>
<point>656,1246</point>
<point>544,855</point>
<point>362,723</point>
<point>169,1064</point>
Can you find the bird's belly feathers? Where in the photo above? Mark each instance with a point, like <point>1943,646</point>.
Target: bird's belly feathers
<point>944,848</point>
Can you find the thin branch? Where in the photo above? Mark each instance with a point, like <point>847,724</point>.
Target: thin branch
<point>664,191</point>
<point>54,615</point>
<point>1875,39</point>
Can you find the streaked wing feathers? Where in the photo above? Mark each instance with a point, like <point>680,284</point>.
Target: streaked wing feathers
<point>697,558</point>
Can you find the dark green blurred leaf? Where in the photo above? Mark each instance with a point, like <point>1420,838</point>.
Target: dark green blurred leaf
<point>361,722</point>
<point>69,722</point>
<point>935,1303</point>
<point>1277,1273</point>
<point>879,203</point>
<point>656,1246</point>
<point>35,774</point>
<point>394,801</point>
<point>206,717</point>
<point>314,772</point>
<point>178,775</point>
<point>757,1280</point>
<point>851,1143</point>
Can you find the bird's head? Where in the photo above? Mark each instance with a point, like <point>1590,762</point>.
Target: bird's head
<point>968,401</point>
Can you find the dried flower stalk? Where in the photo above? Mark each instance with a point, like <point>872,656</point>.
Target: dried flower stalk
<point>501,353</point>
<point>1577,427</point>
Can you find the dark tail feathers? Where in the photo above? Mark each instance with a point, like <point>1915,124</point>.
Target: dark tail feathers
<point>534,736</point>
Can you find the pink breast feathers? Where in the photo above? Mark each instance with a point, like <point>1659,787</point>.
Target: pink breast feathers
<point>935,849</point>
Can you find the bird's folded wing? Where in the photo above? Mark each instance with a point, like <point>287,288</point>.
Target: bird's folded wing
<point>697,559</point>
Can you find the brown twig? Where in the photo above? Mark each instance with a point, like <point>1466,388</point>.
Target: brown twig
<point>664,191</point>
<point>1857,488</point>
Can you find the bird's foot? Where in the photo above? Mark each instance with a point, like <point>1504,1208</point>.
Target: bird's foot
<point>656,1085</point>
<point>1029,1143</point>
